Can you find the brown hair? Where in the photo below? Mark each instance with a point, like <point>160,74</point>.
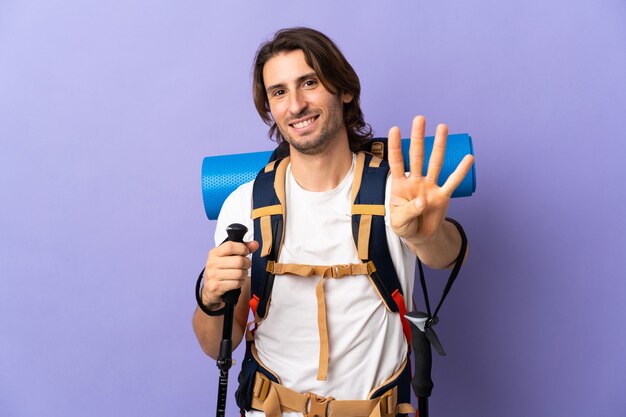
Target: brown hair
<point>334,71</point>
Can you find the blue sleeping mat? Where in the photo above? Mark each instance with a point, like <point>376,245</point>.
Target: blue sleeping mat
<point>222,174</point>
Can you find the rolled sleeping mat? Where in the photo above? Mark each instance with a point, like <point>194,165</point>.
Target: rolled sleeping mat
<point>222,174</point>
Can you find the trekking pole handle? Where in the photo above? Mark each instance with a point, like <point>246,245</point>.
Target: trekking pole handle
<point>235,232</point>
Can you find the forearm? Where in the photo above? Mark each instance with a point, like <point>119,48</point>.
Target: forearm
<point>208,331</point>
<point>442,249</point>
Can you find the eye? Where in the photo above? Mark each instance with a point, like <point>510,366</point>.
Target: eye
<point>278,93</point>
<point>310,83</point>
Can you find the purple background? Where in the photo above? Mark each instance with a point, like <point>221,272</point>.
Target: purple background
<point>107,109</point>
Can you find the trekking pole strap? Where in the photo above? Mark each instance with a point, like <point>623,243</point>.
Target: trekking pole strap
<point>455,272</point>
<point>457,265</point>
<point>204,308</point>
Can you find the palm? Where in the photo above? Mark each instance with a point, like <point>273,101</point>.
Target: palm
<point>403,192</point>
<point>418,223</point>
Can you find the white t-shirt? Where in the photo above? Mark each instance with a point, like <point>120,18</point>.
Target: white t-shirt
<point>366,343</point>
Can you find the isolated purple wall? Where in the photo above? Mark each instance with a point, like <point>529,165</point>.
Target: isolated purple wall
<point>107,108</point>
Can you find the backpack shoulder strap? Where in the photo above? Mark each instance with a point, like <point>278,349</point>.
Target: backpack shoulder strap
<point>368,225</point>
<point>370,234</point>
<point>268,213</point>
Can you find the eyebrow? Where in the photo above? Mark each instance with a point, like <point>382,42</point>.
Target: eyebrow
<point>299,80</point>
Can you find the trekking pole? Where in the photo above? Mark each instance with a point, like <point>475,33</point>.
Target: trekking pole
<point>423,336</point>
<point>236,232</point>
<point>422,382</point>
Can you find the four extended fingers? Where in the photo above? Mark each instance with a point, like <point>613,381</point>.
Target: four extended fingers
<point>416,155</point>
<point>416,151</point>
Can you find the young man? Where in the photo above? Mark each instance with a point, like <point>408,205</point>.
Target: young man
<point>326,339</point>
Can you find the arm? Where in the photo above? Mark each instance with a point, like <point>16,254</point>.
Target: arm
<point>418,205</point>
<point>226,269</point>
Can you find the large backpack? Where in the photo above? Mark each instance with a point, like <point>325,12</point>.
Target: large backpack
<point>368,232</point>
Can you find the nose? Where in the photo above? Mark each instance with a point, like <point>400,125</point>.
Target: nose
<point>297,102</point>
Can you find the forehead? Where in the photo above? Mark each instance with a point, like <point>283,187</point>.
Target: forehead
<point>285,67</point>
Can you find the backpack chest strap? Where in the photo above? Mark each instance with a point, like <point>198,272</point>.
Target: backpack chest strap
<point>322,272</point>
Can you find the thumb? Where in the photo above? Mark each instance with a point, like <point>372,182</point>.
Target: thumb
<point>415,207</point>
<point>253,245</point>
<point>407,213</point>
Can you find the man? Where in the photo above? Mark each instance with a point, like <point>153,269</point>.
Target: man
<point>329,339</point>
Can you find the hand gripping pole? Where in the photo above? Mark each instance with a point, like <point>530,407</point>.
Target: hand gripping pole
<point>236,232</point>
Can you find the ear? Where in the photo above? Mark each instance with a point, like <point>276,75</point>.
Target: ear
<point>346,98</point>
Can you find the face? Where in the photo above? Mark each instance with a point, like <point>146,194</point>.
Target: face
<point>308,116</point>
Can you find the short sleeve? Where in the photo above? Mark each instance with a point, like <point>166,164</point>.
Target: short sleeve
<point>237,208</point>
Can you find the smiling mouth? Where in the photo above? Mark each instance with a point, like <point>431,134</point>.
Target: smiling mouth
<point>304,123</point>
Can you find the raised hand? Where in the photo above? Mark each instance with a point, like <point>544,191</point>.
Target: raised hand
<point>418,205</point>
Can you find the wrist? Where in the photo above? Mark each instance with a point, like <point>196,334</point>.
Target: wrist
<point>209,308</point>
<point>212,306</point>
<point>440,250</point>
<point>419,242</point>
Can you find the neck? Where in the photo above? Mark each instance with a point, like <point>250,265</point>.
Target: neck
<point>323,171</point>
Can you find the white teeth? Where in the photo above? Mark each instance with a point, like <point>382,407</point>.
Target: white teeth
<point>303,123</point>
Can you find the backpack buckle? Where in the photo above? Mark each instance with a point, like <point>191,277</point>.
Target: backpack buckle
<point>387,404</point>
<point>371,268</point>
<point>340,271</point>
<point>261,386</point>
<point>378,149</point>
<point>317,405</point>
